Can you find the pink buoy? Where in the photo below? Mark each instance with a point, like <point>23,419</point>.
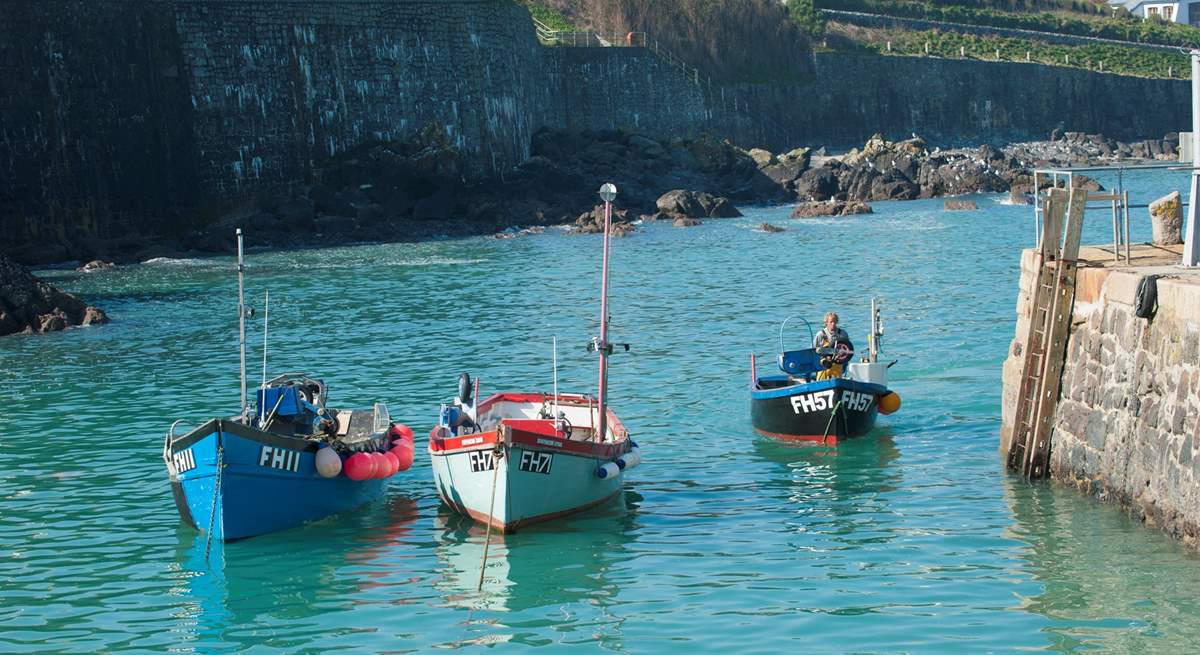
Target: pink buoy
<point>404,455</point>
<point>359,467</point>
<point>393,463</point>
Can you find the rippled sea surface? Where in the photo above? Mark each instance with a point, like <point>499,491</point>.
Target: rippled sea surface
<point>911,540</point>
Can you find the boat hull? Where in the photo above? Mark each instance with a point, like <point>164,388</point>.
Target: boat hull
<point>266,482</point>
<point>535,473</point>
<point>826,412</point>
<point>464,482</point>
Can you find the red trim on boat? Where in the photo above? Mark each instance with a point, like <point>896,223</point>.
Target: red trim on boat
<point>810,438</point>
<point>535,433</point>
<point>576,399</point>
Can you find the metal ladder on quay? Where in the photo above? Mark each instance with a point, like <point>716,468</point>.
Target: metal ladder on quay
<point>1049,327</point>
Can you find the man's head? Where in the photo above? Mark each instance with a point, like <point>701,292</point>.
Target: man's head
<point>831,321</point>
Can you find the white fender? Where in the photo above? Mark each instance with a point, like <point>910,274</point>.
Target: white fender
<point>629,459</point>
<point>608,470</point>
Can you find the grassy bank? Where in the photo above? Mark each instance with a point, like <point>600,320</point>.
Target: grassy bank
<point>1121,26</point>
<point>1097,57</point>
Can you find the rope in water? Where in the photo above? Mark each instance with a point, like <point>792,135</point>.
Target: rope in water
<point>496,456</point>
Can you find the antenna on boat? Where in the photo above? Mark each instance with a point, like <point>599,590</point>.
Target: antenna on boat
<point>266,314</point>
<point>241,269</point>
<point>554,348</point>
<point>608,192</point>
<point>876,334</point>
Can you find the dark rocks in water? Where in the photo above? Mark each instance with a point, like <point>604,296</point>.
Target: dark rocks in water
<point>817,184</point>
<point>771,229</point>
<point>685,221</point>
<point>717,207</point>
<point>30,305</point>
<point>959,205</point>
<point>592,222</point>
<point>680,203</point>
<point>1018,196</point>
<point>813,209</point>
<point>1086,183</point>
<point>855,207</point>
<point>95,265</point>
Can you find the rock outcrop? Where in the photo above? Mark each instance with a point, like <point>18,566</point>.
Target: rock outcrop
<point>30,305</point>
<point>416,190</point>
<point>677,204</point>
<point>816,208</point>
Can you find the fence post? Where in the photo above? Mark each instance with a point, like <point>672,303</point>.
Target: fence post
<point>997,54</point>
<point>962,51</point>
<point>1027,55</point>
<point>926,47</point>
<point>889,46</point>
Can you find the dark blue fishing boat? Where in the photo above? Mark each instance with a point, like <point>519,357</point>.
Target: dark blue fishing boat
<point>797,406</point>
<point>288,460</point>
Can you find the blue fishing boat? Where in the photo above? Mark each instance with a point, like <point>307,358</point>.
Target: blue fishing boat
<point>288,460</point>
<point>806,403</point>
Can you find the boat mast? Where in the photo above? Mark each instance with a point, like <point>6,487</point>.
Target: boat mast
<point>262,409</point>
<point>241,269</point>
<point>607,192</point>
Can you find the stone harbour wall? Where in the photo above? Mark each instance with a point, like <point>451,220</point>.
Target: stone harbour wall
<point>1127,425</point>
<point>124,119</point>
<point>276,86</point>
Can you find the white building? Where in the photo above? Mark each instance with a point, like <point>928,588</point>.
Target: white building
<point>1172,12</point>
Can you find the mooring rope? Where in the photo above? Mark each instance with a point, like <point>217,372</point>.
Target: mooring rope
<point>496,456</point>
<point>832,416</point>
<point>212,515</point>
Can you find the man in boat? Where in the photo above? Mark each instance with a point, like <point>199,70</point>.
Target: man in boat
<point>833,338</point>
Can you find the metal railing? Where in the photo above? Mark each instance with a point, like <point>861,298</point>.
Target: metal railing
<point>1117,202</point>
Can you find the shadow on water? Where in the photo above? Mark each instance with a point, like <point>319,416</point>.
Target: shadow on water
<point>1105,583</point>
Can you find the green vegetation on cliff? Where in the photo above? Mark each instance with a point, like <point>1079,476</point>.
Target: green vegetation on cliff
<point>804,14</point>
<point>1121,26</point>
<point>1097,57</point>
<point>548,16</point>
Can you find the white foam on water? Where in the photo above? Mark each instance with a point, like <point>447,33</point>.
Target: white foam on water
<point>170,261</point>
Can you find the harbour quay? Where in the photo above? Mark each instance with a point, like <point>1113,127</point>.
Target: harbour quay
<point>1127,417</point>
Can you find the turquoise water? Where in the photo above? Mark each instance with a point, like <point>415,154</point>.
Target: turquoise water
<point>913,540</point>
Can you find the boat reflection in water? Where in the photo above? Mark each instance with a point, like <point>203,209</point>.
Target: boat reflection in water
<point>225,587</point>
<point>844,472</point>
<point>534,568</point>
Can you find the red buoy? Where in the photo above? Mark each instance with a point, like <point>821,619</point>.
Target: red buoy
<point>401,430</point>
<point>381,465</point>
<point>359,467</point>
<point>404,454</point>
<point>393,463</point>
